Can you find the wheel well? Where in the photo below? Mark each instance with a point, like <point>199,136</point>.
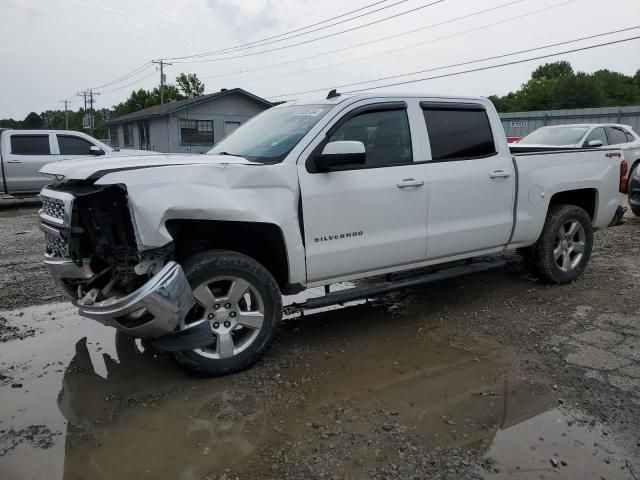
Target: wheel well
<point>263,242</point>
<point>584,198</point>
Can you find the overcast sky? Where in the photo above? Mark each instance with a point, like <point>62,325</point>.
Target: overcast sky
<point>49,50</point>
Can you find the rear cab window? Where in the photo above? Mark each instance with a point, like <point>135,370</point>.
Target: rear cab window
<point>616,136</point>
<point>30,145</point>
<point>458,131</point>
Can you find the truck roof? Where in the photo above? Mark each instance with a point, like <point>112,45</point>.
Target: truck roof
<point>589,125</point>
<point>40,131</point>
<point>341,97</point>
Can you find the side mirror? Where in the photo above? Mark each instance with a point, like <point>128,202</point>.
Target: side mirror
<point>594,143</point>
<point>344,152</point>
<point>95,150</point>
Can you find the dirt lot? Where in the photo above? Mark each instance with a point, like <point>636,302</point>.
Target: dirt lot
<point>491,376</point>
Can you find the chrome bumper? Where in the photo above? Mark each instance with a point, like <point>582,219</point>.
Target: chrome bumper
<point>155,309</point>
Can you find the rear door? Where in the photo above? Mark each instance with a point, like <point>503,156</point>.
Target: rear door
<point>471,180</point>
<point>364,218</point>
<point>26,154</point>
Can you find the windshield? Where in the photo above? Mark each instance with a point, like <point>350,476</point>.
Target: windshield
<point>270,136</point>
<point>555,136</point>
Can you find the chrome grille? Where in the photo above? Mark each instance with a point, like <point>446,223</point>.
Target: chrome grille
<point>55,245</point>
<point>53,207</point>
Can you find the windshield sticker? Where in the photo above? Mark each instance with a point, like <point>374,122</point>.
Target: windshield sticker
<point>309,112</point>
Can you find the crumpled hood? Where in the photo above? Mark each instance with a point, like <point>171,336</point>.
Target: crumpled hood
<point>96,167</point>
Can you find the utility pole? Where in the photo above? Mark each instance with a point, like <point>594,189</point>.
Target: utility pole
<point>66,114</point>
<point>163,79</point>
<point>87,119</point>
<point>91,94</point>
<point>83,95</point>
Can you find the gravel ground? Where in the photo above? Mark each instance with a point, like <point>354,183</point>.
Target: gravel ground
<point>490,376</point>
<point>23,276</point>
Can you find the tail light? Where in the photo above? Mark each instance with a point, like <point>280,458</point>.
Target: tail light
<point>624,170</point>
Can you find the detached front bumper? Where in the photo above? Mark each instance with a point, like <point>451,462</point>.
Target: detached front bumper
<point>155,309</point>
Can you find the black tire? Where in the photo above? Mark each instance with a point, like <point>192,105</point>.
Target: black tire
<point>213,263</point>
<point>541,256</point>
<point>636,211</point>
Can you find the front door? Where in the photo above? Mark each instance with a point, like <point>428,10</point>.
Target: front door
<point>365,217</point>
<point>471,181</point>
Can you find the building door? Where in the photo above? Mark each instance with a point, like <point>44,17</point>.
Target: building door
<point>143,130</point>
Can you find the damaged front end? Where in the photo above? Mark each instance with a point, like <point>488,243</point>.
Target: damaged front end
<point>92,253</point>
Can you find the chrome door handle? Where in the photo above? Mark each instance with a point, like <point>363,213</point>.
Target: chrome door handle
<point>410,183</point>
<point>14,161</point>
<point>499,174</point>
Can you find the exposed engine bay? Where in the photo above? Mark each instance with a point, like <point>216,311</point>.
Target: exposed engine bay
<point>98,235</point>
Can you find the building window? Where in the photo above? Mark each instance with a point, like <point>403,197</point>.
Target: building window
<point>113,136</point>
<point>230,127</point>
<point>127,135</point>
<point>196,132</point>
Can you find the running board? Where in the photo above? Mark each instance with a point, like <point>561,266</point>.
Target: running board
<point>352,294</point>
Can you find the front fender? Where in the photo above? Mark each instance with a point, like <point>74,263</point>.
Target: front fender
<point>247,193</point>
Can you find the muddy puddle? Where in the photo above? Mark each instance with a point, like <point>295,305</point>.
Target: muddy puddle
<point>358,387</point>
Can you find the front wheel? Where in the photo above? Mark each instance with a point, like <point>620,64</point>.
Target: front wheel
<point>242,304</point>
<point>563,250</point>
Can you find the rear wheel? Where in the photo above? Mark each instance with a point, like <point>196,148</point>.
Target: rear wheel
<point>563,250</point>
<point>240,301</point>
<point>636,211</point>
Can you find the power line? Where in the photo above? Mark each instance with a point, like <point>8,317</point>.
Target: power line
<point>276,38</point>
<point>406,47</point>
<point>406,12</point>
<point>408,32</point>
<point>495,57</point>
<point>129,84</point>
<point>140,69</point>
<point>479,69</point>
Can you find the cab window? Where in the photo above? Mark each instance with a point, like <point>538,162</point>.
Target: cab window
<point>385,135</point>
<point>458,131</point>
<point>30,145</point>
<point>616,136</point>
<point>597,134</point>
<point>70,145</point>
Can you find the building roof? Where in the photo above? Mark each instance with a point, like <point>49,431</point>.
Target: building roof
<point>171,107</point>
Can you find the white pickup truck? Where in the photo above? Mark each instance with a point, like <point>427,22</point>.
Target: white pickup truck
<point>194,252</point>
<point>24,152</point>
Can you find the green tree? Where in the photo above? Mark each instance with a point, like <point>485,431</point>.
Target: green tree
<point>577,91</point>
<point>142,98</point>
<point>32,121</point>
<point>553,71</point>
<point>190,85</point>
<point>556,85</point>
<point>617,88</point>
